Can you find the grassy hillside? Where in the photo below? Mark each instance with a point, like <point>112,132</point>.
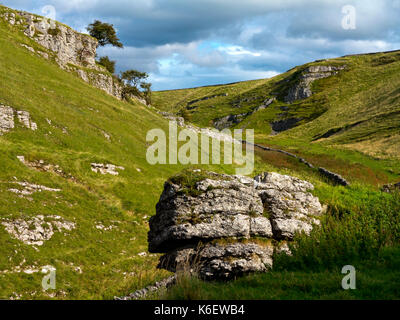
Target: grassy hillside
<point>72,119</point>
<point>356,110</point>
<point>101,258</point>
<point>350,125</point>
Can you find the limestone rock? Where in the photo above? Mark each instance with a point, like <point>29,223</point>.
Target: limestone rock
<point>72,50</point>
<point>290,206</point>
<point>302,89</point>
<point>198,225</point>
<point>68,45</point>
<point>224,208</point>
<point>25,118</point>
<point>6,119</point>
<point>229,121</point>
<point>37,230</point>
<point>219,260</point>
<point>41,165</point>
<point>106,168</point>
<point>30,188</point>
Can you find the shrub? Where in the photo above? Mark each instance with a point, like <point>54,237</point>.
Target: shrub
<point>108,64</point>
<point>128,91</point>
<point>54,32</point>
<point>347,236</point>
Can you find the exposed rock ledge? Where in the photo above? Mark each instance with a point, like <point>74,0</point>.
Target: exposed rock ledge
<point>7,119</point>
<point>222,226</point>
<point>302,89</point>
<point>73,51</point>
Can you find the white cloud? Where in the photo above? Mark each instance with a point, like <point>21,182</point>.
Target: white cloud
<point>183,43</point>
<point>238,51</point>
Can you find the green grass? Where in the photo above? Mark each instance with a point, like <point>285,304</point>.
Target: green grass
<point>374,281</point>
<point>364,233</point>
<point>356,110</point>
<point>80,114</point>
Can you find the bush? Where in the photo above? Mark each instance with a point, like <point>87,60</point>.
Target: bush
<point>347,236</point>
<point>54,32</point>
<point>128,91</point>
<point>108,64</point>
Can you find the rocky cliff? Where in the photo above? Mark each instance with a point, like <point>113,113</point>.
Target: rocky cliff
<point>222,226</point>
<point>302,88</point>
<point>71,50</point>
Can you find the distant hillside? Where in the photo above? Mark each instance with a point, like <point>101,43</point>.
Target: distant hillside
<point>76,190</point>
<point>352,102</point>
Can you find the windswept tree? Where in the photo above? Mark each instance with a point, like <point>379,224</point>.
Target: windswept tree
<point>134,77</point>
<point>132,80</point>
<point>146,87</point>
<point>104,33</point>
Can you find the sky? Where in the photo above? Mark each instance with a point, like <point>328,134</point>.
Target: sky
<point>188,43</point>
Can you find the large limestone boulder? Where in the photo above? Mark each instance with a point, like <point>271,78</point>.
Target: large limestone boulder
<point>290,206</point>
<point>220,260</point>
<point>222,226</point>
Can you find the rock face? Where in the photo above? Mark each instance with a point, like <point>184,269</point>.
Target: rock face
<point>229,121</point>
<point>234,119</point>
<point>302,89</point>
<point>283,125</point>
<point>222,226</point>
<point>6,119</point>
<point>68,45</point>
<point>73,51</point>
<point>7,115</point>
<point>220,260</point>
<point>289,204</point>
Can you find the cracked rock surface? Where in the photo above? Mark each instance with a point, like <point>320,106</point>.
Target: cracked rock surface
<point>35,231</point>
<point>224,225</point>
<point>7,122</point>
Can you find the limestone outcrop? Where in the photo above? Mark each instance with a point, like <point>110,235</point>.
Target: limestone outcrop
<point>106,168</point>
<point>37,230</point>
<point>27,189</point>
<point>68,45</point>
<point>222,226</point>
<point>72,51</point>
<point>7,119</point>
<point>234,119</point>
<point>302,89</point>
